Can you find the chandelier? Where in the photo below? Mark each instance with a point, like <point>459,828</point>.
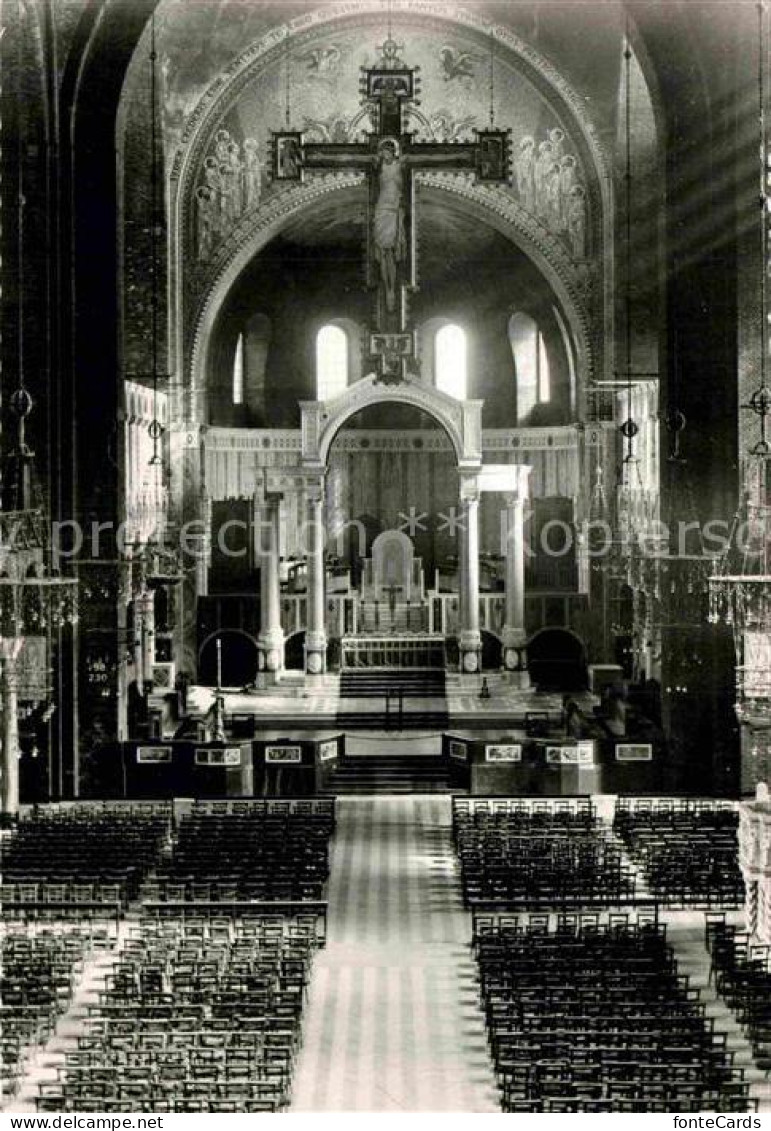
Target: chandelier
<point>740,587</point>
<point>36,602</point>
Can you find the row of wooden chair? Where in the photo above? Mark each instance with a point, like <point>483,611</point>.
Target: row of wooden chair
<point>510,856</point>
<point>688,853</point>
<point>741,971</point>
<point>69,849</point>
<point>596,1017</point>
<point>37,975</point>
<point>569,814</point>
<point>198,1015</point>
<point>249,856</point>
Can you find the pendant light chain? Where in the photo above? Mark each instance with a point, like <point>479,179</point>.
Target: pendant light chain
<point>21,203</point>
<point>629,428</point>
<point>760,401</point>
<point>763,197</point>
<point>156,431</point>
<point>21,401</point>
<point>287,84</point>
<point>492,78</point>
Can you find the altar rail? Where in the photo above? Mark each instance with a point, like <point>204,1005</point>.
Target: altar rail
<point>420,651</point>
<point>440,612</point>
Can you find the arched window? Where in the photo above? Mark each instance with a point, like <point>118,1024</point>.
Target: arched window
<point>450,361</point>
<point>257,343</point>
<point>331,362</point>
<point>238,371</point>
<point>531,364</point>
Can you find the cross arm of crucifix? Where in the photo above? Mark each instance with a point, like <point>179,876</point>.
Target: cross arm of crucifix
<point>320,155</point>
<point>440,155</point>
<point>344,155</point>
<point>488,156</point>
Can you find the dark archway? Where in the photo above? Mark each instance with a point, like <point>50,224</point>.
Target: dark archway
<point>239,659</point>
<point>492,652</point>
<point>556,659</point>
<point>294,652</point>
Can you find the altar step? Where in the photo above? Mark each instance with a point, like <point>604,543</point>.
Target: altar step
<point>388,774</point>
<point>378,720</point>
<point>422,683</point>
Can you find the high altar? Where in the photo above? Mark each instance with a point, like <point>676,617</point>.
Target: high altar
<point>393,601</point>
<point>391,627</point>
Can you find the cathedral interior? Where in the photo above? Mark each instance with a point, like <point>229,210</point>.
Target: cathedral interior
<point>385,559</point>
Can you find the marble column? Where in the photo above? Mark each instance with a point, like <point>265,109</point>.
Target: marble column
<point>315,631</point>
<point>196,561</point>
<point>10,697</point>
<point>189,521</point>
<point>202,557</point>
<point>514,638</point>
<point>462,556</point>
<point>144,635</point>
<point>270,642</point>
<point>583,560</point>
<point>470,640</point>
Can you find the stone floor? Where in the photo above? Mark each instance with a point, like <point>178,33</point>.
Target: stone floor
<point>393,1021</point>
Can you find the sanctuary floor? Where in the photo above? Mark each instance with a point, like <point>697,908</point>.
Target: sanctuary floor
<point>318,705</point>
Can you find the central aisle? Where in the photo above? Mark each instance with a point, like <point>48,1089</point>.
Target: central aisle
<point>393,1022</point>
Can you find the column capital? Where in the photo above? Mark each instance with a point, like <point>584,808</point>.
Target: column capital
<point>314,494</point>
<point>290,480</point>
<point>11,676</point>
<point>469,488</point>
<point>518,492</point>
<point>10,647</point>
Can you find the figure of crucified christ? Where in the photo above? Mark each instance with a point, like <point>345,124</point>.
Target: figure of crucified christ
<point>388,237</point>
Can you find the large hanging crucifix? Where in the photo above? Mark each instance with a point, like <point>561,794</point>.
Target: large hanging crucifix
<point>390,157</point>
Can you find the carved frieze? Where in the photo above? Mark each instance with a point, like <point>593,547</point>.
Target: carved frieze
<point>272,440</point>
